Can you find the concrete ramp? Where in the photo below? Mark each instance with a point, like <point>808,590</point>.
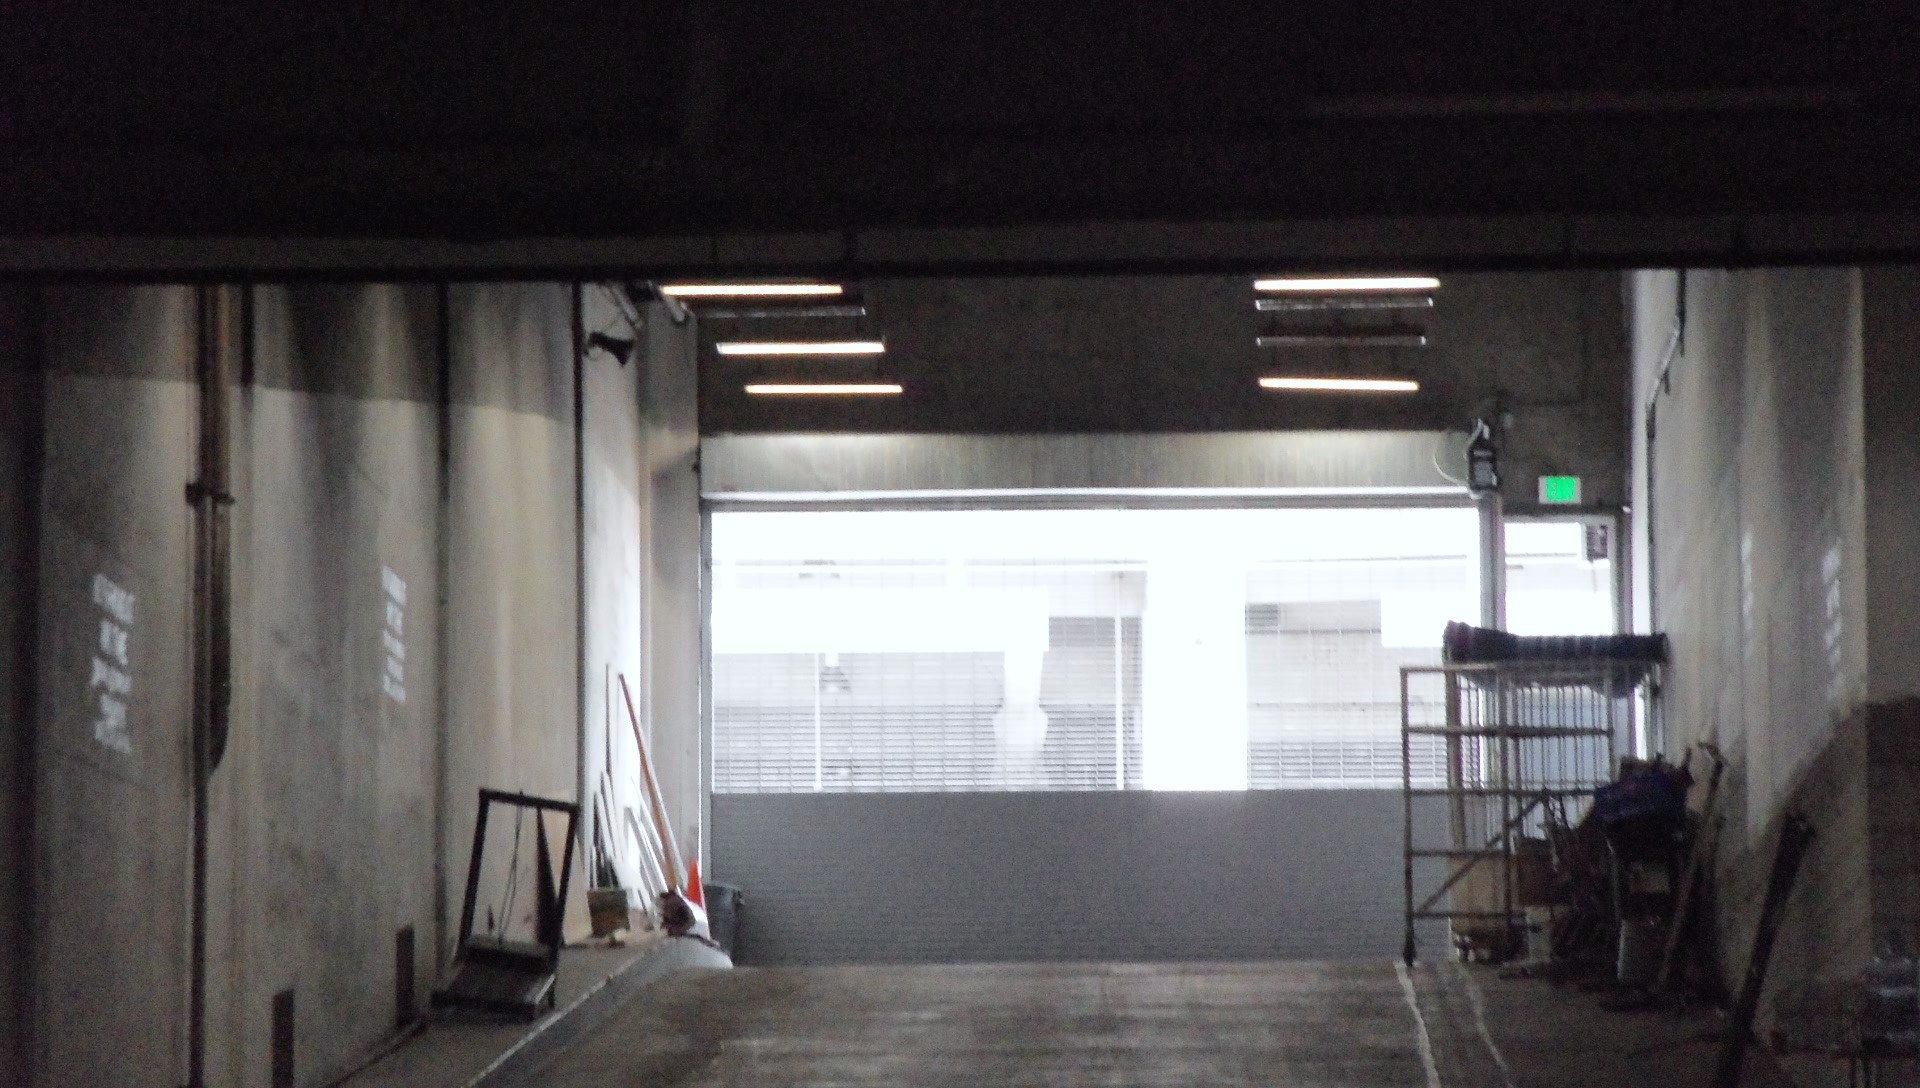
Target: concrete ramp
<point>974,1026</point>
<point>595,984</point>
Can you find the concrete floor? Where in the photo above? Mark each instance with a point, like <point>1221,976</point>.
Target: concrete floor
<point>1296,1024</point>
<point>1527,1033</point>
<point>454,1052</point>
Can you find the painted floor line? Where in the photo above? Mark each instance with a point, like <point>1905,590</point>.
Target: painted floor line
<point>1420,1025</point>
<point>1477,1000</point>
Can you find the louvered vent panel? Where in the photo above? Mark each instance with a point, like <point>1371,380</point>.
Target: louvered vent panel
<point>928,722</point>
<point>1324,700</point>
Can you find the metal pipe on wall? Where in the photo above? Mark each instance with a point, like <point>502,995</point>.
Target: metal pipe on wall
<point>443,927</point>
<point>1493,561</point>
<point>576,324</point>
<point>704,710</point>
<point>221,317</point>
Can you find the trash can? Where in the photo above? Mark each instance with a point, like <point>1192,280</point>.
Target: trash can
<point>723,917</point>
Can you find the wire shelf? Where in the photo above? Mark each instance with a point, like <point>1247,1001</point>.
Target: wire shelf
<point>1526,744</point>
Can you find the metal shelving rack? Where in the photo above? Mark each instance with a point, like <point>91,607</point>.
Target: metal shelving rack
<point>1494,756</point>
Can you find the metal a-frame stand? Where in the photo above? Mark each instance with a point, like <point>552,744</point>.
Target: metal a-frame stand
<point>491,973</point>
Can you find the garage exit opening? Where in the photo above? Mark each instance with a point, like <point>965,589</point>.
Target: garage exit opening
<point>963,650</point>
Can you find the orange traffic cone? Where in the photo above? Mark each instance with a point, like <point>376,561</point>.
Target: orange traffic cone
<point>693,885</point>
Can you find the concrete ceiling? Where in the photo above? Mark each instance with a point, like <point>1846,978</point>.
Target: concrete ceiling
<point>1171,353</point>
<point>661,120</point>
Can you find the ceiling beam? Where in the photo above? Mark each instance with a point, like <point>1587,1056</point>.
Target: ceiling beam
<point>1435,244</point>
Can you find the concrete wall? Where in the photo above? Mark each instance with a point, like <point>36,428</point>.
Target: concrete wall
<point>324,810</point>
<point>111,796</point>
<point>407,572</point>
<point>786,465</point>
<point>1757,546</point>
<point>612,492</point>
<point>21,390</point>
<point>1137,876</point>
<point>674,573</point>
<point>512,575</point>
<point>1890,326</point>
<point>644,571</point>
<point>1177,353</point>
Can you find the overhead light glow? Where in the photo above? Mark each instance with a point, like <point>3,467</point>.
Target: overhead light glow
<point>832,389</point>
<point>1342,385</point>
<point>1339,284</point>
<point>752,290</point>
<point>786,312</point>
<point>800,347</point>
<point>1364,303</point>
<point>1389,336</point>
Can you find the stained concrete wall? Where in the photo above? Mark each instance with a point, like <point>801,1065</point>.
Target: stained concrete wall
<point>1756,569</point>
<point>512,575</point>
<point>407,571</point>
<point>325,806</point>
<point>111,795</point>
<point>1136,876</point>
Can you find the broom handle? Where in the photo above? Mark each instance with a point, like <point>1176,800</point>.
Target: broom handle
<point>675,874</point>
<point>652,874</point>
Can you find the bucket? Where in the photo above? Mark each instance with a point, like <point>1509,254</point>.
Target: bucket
<point>723,917</point>
<point>610,910</point>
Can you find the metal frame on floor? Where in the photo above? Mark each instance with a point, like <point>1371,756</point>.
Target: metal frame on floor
<point>1495,759</point>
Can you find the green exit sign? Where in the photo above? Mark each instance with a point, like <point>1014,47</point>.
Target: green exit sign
<point>1560,489</point>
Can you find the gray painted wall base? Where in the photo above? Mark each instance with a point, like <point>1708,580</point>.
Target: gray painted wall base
<point>1030,877</point>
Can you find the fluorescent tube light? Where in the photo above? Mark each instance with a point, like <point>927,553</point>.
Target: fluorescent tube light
<point>828,309</point>
<point>751,290</point>
<point>1358,304</point>
<point>800,347</point>
<point>824,389</point>
<point>1339,284</point>
<point>1342,385</point>
<point>1376,336</point>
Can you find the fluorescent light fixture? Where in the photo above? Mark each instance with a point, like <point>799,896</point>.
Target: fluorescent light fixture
<point>800,347</point>
<point>1363,303</point>
<point>1347,284</point>
<point>1342,385</point>
<point>752,290</point>
<point>749,313</point>
<point>829,389</point>
<point>1390,337</point>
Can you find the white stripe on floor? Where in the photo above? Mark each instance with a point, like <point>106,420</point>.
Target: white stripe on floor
<point>1420,1025</point>
<point>1480,1021</point>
